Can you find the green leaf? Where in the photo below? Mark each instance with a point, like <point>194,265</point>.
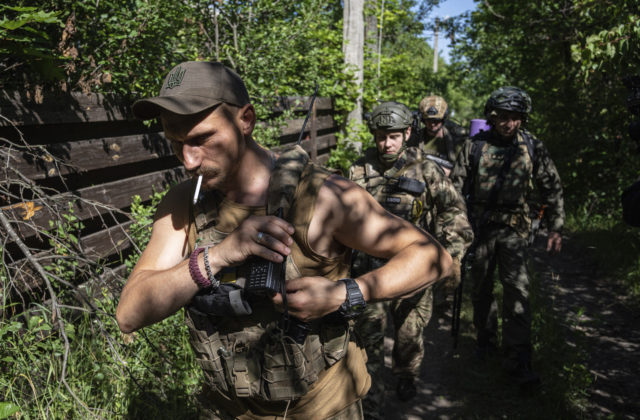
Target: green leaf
<point>8,409</point>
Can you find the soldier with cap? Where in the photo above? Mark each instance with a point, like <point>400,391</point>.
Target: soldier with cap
<point>259,259</point>
<point>417,190</point>
<point>440,139</point>
<point>496,172</point>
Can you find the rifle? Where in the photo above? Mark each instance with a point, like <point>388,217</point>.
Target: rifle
<point>535,224</point>
<point>467,260</point>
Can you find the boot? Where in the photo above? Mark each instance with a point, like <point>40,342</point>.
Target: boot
<point>406,389</point>
<point>520,371</point>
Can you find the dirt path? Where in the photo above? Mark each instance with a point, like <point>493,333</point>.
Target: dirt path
<point>592,320</point>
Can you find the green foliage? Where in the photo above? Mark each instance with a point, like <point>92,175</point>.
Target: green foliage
<point>148,374</point>
<point>64,246</point>
<point>140,229</point>
<point>571,60</point>
<point>533,49</point>
<point>25,42</point>
<point>345,153</point>
<point>8,409</point>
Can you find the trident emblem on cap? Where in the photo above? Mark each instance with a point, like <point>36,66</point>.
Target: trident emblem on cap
<point>175,77</point>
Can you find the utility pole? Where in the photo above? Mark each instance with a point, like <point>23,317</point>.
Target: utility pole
<point>353,48</point>
<point>435,49</point>
<point>380,45</point>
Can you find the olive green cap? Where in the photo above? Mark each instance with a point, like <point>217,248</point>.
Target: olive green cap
<point>192,87</point>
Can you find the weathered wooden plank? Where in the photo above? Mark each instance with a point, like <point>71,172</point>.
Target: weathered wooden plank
<point>56,109</point>
<point>23,110</point>
<point>107,242</point>
<point>322,142</point>
<point>322,122</point>
<point>84,156</point>
<point>117,194</point>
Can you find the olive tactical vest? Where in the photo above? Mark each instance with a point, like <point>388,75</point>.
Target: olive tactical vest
<point>248,356</point>
<point>511,204</point>
<point>383,184</point>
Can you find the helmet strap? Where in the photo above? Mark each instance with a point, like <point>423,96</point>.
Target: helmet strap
<point>388,159</point>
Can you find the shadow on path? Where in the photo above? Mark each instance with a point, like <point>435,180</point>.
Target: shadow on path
<point>585,304</point>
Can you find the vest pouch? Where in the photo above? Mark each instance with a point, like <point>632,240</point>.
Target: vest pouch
<point>241,367</point>
<point>206,345</point>
<point>398,203</point>
<point>288,368</point>
<point>335,340</point>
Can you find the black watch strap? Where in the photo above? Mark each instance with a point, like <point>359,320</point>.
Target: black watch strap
<point>355,303</point>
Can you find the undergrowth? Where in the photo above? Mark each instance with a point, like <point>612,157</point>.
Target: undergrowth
<point>150,374</point>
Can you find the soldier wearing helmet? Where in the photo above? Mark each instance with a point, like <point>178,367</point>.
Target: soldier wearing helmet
<point>416,189</point>
<point>497,171</point>
<point>440,139</point>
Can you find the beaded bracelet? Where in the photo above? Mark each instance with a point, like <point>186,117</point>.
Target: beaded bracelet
<point>194,270</point>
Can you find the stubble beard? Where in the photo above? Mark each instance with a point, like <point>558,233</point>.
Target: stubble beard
<point>213,178</point>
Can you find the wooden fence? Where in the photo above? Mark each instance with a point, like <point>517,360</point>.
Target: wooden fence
<point>87,153</point>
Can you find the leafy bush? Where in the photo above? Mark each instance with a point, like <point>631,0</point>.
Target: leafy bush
<point>74,362</point>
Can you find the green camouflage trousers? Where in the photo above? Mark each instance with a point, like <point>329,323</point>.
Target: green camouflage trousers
<point>500,245</point>
<point>409,316</point>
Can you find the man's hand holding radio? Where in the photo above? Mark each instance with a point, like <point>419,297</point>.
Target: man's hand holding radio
<point>268,237</point>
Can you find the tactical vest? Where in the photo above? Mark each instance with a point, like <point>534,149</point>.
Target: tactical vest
<point>385,186</point>
<point>511,207</point>
<point>248,356</point>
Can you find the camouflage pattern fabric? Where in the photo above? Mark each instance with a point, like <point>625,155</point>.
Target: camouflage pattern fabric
<point>512,208</point>
<point>409,316</point>
<point>502,245</point>
<point>502,238</point>
<point>439,209</point>
<point>446,147</point>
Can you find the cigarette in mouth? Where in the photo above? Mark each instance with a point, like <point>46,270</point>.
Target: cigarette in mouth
<point>197,191</point>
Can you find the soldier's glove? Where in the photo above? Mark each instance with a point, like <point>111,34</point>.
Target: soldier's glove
<point>224,300</point>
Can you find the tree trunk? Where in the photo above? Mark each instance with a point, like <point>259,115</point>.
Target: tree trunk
<point>353,48</point>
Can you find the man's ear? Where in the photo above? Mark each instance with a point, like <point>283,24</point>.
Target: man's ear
<point>408,132</point>
<point>247,119</point>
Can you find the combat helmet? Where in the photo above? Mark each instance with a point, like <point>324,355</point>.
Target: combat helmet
<point>434,108</point>
<point>389,116</point>
<point>508,98</point>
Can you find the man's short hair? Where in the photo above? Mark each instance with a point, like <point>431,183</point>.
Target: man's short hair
<point>193,86</point>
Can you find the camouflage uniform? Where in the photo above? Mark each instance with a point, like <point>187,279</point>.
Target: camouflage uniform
<point>442,150</point>
<point>501,235</point>
<point>439,209</point>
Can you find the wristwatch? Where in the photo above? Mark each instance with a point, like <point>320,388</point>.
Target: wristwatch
<point>355,303</point>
